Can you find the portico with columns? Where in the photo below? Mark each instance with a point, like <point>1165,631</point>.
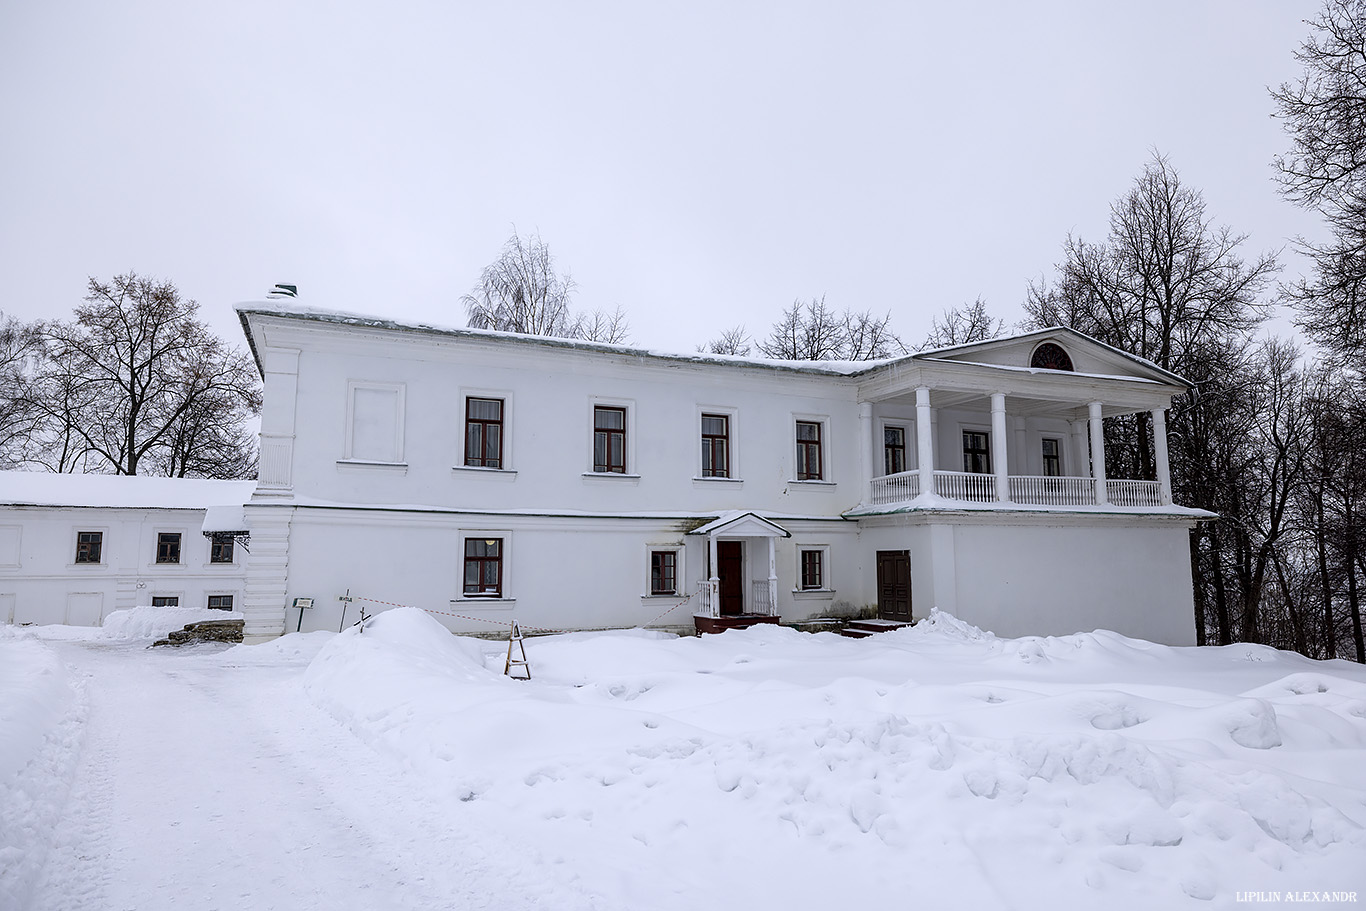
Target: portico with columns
<point>988,432</point>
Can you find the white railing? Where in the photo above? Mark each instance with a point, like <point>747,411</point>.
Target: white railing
<point>895,488</point>
<point>965,485</point>
<point>708,602</point>
<point>1040,490</point>
<point>1133,493</point>
<point>762,602</point>
<point>1032,490</point>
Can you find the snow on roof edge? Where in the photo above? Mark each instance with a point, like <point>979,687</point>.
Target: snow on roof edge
<point>293,310</point>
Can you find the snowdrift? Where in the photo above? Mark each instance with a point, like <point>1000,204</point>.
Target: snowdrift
<point>156,622</point>
<point>810,771</point>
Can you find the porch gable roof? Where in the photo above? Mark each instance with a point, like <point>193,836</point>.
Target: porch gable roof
<point>742,524</point>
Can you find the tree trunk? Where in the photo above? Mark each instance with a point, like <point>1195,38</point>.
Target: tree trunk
<point>1221,617</point>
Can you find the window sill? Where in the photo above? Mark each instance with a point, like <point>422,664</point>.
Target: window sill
<point>660,599</point>
<point>484,603</point>
<point>365,465</point>
<point>701,482</point>
<point>812,483</point>
<point>611,476</point>
<point>813,594</point>
<point>213,566</point>
<point>493,474</point>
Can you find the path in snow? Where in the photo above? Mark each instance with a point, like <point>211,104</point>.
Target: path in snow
<point>205,786</point>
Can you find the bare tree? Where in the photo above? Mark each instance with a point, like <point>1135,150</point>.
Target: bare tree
<point>600,326</point>
<point>522,292</point>
<point>1324,113</point>
<point>1166,281</point>
<point>734,340</point>
<point>811,331</point>
<point>19,348</point>
<point>963,326</point>
<point>127,378</point>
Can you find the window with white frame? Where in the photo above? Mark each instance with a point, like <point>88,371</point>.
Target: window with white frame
<point>609,439</point>
<point>813,567</point>
<point>664,571</point>
<point>810,451</point>
<point>893,449</point>
<point>483,432</point>
<point>977,451</point>
<point>483,567</point>
<point>1052,457</point>
<point>374,422</point>
<point>716,446</point>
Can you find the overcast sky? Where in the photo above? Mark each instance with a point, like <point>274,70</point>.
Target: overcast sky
<point>699,164</point>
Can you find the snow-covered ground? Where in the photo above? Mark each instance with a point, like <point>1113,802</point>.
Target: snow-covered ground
<point>934,767</point>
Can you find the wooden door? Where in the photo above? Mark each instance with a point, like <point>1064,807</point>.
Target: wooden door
<point>730,569</point>
<point>894,585</point>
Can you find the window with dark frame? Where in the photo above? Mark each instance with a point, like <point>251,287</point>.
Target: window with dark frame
<point>220,602</point>
<point>88,546</point>
<point>1052,457</point>
<point>483,433</point>
<point>221,548</point>
<point>813,575</point>
<point>663,572</point>
<point>168,547</point>
<point>165,601</point>
<point>715,446</point>
<point>484,567</point>
<point>809,451</point>
<point>894,449</point>
<point>609,439</point>
<point>977,451</point>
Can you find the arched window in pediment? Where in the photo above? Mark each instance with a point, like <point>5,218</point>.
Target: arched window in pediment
<point>1049,356</point>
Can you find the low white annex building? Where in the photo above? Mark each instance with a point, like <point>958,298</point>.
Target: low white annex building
<point>75,547</point>
<point>486,476</point>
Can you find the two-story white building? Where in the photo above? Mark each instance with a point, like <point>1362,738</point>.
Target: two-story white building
<point>76,547</point>
<point>487,476</point>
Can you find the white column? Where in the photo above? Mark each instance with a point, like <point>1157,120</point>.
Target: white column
<point>1164,468</point>
<point>998,446</point>
<point>1098,453</point>
<point>1081,467</point>
<point>924,440</point>
<point>714,583</point>
<point>772,576</point>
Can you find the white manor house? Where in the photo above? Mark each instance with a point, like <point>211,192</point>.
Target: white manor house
<point>488,476</point>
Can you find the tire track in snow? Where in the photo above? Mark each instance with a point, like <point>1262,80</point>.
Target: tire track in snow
<point>204,786</point>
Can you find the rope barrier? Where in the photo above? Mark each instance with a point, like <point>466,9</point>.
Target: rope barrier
<point>510,623</point>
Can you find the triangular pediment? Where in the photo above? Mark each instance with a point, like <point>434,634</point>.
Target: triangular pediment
<point>1087,355</point>
<point>742,525</point>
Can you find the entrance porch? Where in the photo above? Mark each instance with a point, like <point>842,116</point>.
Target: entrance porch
<point>737,593</point>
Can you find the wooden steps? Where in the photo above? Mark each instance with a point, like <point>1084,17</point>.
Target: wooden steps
<point>731,621</point>
<point>862,629</point>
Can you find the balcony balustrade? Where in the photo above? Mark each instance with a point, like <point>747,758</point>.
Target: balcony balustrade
<point>1032,490</point>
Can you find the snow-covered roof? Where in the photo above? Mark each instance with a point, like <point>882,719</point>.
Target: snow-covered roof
<point>225,518</point>
<point>40,488</point>
<point>292,309</point>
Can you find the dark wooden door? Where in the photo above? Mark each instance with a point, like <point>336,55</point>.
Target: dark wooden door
<point>730,569</point>
<point>894,585</point>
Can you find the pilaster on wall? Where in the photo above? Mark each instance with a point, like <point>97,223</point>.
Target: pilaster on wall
<point>275,470</point>
<point>267,578</point>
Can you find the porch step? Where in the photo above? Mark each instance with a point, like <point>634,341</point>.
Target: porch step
<point>732,621</point>
<point>862,629</point>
